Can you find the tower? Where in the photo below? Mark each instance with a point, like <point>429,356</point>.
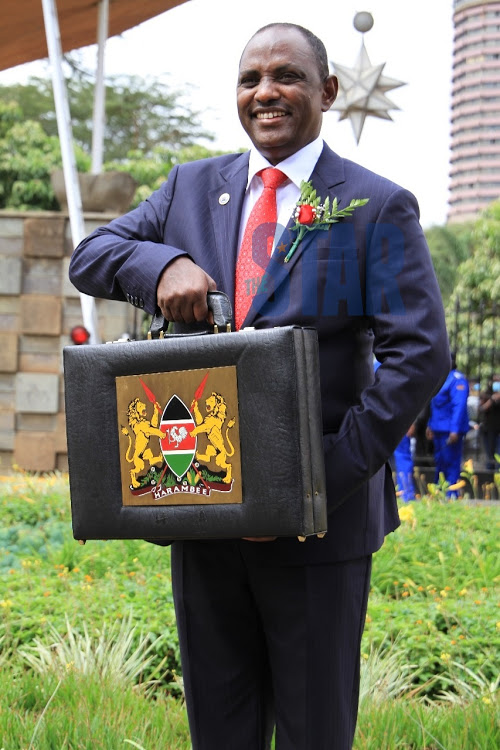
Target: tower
<point>475,108</point>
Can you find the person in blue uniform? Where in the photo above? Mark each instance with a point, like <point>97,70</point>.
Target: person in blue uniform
<point>448,424</point>
<point>404,467</point>
<point>402,461</point>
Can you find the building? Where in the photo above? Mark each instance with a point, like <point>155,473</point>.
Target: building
<point>475,109</point>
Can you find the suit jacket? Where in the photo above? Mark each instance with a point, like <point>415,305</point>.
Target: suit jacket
<point>367,285</point>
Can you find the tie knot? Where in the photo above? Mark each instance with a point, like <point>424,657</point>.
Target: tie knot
<point>272,178</point>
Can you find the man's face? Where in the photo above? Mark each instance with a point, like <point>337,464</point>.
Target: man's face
<point>280,94</point>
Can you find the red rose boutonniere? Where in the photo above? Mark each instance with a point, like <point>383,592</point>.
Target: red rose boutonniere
<point>311,214</point>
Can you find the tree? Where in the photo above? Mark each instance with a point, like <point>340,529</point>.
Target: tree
<point>27,157</point>
<point>474,305</point>
<point>141,114</point>
<point>147,132</point>
<point>449,246</point>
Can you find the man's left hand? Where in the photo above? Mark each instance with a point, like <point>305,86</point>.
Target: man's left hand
<point>259,538</point>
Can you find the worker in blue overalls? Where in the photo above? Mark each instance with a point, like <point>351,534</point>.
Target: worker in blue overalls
<point>448,424</point>
<point>402,462</point>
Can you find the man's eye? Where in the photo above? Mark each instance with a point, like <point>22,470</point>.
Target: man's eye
<point>288,77</point>
<point>248,82</point>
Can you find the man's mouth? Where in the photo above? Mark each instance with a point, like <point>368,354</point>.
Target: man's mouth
<point>269,115</point>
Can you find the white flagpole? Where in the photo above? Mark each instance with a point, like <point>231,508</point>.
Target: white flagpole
<point>73,195</point>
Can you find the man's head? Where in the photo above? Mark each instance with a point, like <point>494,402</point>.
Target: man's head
<point>283,89</point>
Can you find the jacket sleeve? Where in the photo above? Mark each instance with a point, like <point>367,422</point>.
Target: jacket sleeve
<point>124,260</point>
<point>410,341</point>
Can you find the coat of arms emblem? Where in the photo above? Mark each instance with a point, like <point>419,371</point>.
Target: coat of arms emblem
<point>179,437</point>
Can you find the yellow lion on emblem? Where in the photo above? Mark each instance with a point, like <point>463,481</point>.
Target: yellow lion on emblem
<point>143,430</point>
<point>216,409</point>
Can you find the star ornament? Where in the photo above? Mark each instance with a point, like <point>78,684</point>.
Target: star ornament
<point>363,92</point>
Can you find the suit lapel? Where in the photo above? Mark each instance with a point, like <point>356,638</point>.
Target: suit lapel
<point>225,203</point>
<point>328,173</point>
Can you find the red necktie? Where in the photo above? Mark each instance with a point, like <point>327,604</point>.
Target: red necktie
<point>257,244</point>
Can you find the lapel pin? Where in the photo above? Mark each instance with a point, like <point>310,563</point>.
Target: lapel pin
<point>224,198</point>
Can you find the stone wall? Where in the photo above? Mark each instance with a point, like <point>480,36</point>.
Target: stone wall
<point>38,308</point>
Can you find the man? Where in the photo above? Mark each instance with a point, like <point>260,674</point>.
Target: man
<point>448,424</point>
<point>270,629</point>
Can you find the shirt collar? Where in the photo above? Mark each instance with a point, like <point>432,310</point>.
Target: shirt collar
<point>297,167</point>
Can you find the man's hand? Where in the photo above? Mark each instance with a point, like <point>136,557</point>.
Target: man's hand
<point>453,438</point>
<point>182,290</point>
<point>259,538</point>
<point>411,432</point>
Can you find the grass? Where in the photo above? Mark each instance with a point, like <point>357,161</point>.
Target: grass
<point>89,653</point>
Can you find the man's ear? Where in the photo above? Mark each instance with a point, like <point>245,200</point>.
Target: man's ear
<point>330,89</point>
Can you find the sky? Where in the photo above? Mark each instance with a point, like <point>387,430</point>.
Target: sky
<point>196,47</point>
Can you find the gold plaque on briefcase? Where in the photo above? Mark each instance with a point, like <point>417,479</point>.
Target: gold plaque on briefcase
<point>179,437</point>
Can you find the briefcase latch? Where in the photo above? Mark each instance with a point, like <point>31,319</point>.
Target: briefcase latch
<point>321,535</point>
<point>228,328</point>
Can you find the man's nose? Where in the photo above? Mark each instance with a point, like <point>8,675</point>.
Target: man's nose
<point>267,89</point>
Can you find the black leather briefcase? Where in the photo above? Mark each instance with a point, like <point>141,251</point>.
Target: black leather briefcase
<point>196,436</point>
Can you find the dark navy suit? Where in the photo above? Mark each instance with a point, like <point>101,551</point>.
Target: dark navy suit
<point>368,286</point>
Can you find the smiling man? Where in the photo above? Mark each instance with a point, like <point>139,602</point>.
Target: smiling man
<point>281,99</point>
<point>270,629</point>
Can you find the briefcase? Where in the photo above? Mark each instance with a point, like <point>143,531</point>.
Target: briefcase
<point>196,436</point>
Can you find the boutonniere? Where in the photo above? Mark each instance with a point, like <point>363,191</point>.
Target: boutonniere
<point>311,214</point>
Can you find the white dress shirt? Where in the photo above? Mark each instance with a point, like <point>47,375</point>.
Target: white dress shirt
<point>297,167</point>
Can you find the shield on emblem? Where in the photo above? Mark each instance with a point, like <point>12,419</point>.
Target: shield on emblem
<point>178,447</point>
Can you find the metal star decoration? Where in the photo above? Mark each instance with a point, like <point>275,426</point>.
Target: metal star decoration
<point>363,91</point>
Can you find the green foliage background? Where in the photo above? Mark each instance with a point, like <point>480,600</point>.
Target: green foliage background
<point>433,622</point>
<point>434,585</point>
<point>148,130</point>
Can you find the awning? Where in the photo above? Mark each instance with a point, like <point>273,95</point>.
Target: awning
<point>22,32</point>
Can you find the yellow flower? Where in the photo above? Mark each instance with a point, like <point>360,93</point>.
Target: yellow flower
<point>407,513</point>
<point>6,603</point>
<point>469,466</point>
<point>463,592</point>
<point>445,657</point>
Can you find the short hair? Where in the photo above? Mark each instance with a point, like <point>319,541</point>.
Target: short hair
<point>316,45</point>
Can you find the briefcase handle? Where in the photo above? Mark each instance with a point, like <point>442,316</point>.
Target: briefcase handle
<point>220,307</point>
